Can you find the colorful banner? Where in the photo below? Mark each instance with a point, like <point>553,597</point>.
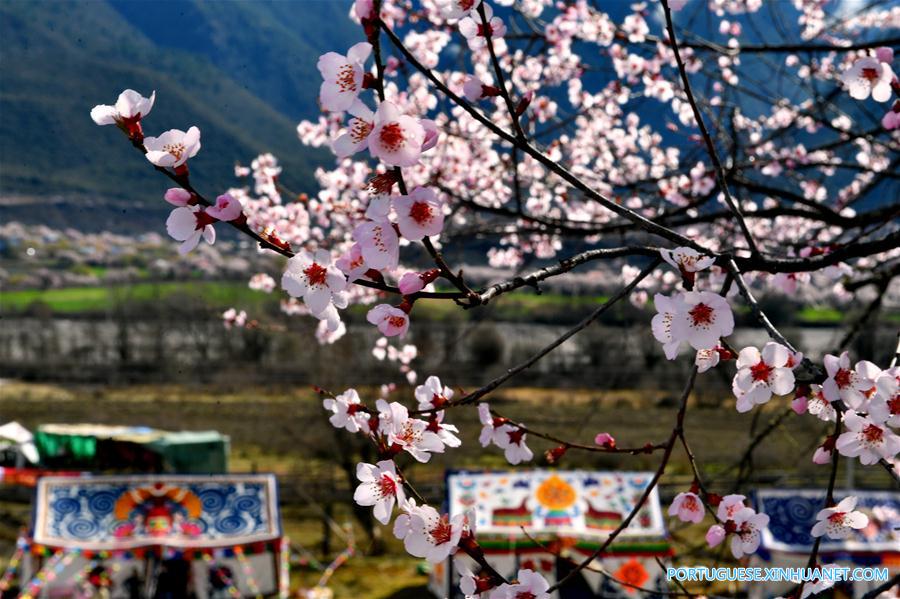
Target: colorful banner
<point>132,511</point>
<point>792,514</point>
<point>565,503</point>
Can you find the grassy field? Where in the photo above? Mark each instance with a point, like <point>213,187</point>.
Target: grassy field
<point>284,430</point>
<point>218,295</point>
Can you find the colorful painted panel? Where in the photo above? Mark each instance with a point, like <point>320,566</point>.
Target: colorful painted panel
<point>123,512</point>
<point>572,503</point>
<point>792,514</point>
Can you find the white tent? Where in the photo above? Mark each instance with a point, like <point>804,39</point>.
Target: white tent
<point>14,436</point>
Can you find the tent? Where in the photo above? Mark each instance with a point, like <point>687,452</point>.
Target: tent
<point>151,535</point>
<point>17,446</point>
<point>104,447</point>
<point>570,513</point>
<point>787,541</point>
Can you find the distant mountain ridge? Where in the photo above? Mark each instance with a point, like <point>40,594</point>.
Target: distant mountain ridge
<point>244,72</point>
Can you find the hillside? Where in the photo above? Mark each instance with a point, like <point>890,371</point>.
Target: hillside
<point>214,65</point>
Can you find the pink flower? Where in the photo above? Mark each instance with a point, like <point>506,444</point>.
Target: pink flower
<point>187,224</point>
<point>433,395</point>
<point>359,127</point>
<point>432,535</point>
<point>342,77</point>
<point>474,89</point>
<point>799,404</point>
<point>529,584</point>
<point>749,532</point>
<point>352,263</point>
<point>346,411</point>
<point>891,120</point>
<point>391,321</point>
<point>839,521</point>
<point>687,507</point>
<point>262,282</point>
<point>472,28</point>
<point>419,214</point>
<point>410,283</point>
<point>761,375</point>
<point>846,384</point>
<point>867,440</point>
<point>457,9</point>
<point>227,208</point>
<point>379,487</point>
<point>677,5</point>
<point>173,148</point>
<point>605,440</point>
<point>233,318</point>
<point>364,9</point>
<point>885,54</point>
<point>313,278</point>
<point>729,506</point>
<point>396,139</point>
<point>431,134</point>
<point>822,455</point>
<point>378,244</point>
<point>177,196</point>
<point>868,75</point>
<point>715,535</point>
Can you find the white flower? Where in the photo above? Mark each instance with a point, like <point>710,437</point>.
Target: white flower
<point>431,535</point>
<point>472,28</point>
<point>379,487</point>
<point>748,534</point>
<point>314,278</point>
<point>410,434</point>
<point>187,224</point>
<point>759,376</point>
<point>530,585</point>
<point>433,395</point>
<point>706,317</point>
<point>687,260</point>
<point>342,77</point>
<point>173,148</point>
<point>839,521</point>
<point>129,108</point>
<point>347,411</point>
<point>867,440</point>
<point>846,384</point>
<point>487,422</point>
<point>667,309</point>
<point>868,75</point>
<point>818,406</point>
<point>511,439</point>
<point>706,359</point>
<point>884,406</point>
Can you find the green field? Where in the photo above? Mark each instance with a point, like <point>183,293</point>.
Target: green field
<point>219,295</point>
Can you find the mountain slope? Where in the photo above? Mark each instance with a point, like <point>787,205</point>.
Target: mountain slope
<point>61,58</point>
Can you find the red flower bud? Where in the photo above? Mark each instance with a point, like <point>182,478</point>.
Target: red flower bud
<point>554,455</point>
